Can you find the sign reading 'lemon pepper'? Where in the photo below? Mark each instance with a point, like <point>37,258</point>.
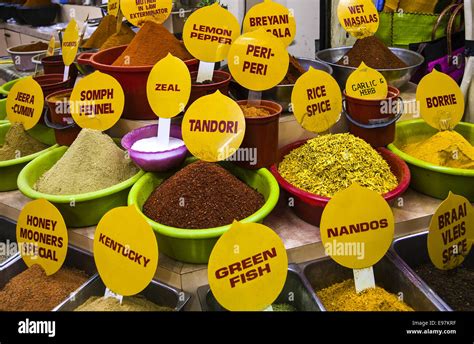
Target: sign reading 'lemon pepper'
<point>274,18</point>
<point>42,236</point>
<point>358,17</point>
<point>247,267</point>
<point>138,12</point>
<point>25,103</point>
<point>317,100</point>
<point>97,101</point>
<point>451,232</point>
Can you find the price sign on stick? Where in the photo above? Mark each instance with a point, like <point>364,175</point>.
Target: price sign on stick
<point>358,17</point>
<point>441,100</point>
<point>126,259</point>
<point>138,12</point>
<point>42,236</point>
<point>451,232</point>
<point>247,267</point>
<point>274,18</point>
<point>113,7</point>
<point>69,46</point>
<point>25,103</point>
<point>51,46</point>
<point>366,83</point>
<point>357,229</point>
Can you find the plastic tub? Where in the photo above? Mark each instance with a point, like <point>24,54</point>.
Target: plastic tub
<point>310,207</point>
<point>220,81</point>
<point>154,161</point>
<point>432,180</point>
<point>54,65</point>
<point>51,83</point>
<point>6,87</point>
<point>133,80</point>
<point>65,129</point>
<point>89,207</point>
<point>195,245</point>
<point>261,135</point>
<point>23,60</point>
<point>10,169</point>
<point>39,16</point>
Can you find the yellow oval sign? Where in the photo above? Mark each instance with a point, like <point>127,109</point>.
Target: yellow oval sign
<point>366,83</point>
<point>209,32</point>
<point>138,12</point>
<point>126,259</point>
<point>213,127</point>
<point>70,43</point>
<point>97,101</point>
<point>25,103</point>
<point>357,227</point>
<point>258,60</point>
<point>247,267</point>
<point>316,100</point>
<point>358,17</point>
<point>42,236</point>
<point>168,87</point>
<point>51,46</point>
<point>113,7</point>
<point>274,18</point>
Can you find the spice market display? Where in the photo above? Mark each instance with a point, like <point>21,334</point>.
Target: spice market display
<point>340,174</point>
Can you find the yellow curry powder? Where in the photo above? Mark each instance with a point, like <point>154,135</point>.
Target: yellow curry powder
<point>446,148</point>
<point>343,297</point>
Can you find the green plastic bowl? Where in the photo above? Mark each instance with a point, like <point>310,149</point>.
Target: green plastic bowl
<point>78,210</point>
<point>429,179</point>
<point>6,87</point>
<point>10,169</point>
<point>195,245</point>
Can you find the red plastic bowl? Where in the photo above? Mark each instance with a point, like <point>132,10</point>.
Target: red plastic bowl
<point>132,79</point>
<point>309,206</point>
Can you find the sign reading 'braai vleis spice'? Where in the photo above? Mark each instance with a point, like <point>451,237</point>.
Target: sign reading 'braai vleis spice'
<point>125,251</point>
<point>317,100</point>
<point>70,43</point>
<point>213,127</point>
<point>25,103</point>
<point>358,17</point>
<point>247,267</point>
<point>258,60</point>
<point>42,236</point>
<point>357,227</point>
<point>138,12</point>
<point>441,100</point>
<point>209,32</point>
<point>97,101</point>
<point>366,83</point>
<point>451,232</point>
<point>274,18</point>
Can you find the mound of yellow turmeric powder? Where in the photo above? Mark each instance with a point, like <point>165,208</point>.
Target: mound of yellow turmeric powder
<point>446,148</point>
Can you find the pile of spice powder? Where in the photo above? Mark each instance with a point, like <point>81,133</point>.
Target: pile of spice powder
<point>331,163</point>
<point>129,304</point>
<point>445,148</point>
<point>202,195</point>
<point>123,37</point>
<point>18,143</point>
<point>37,46</point>
<point>342,297</point>
<point>253,111</point>
<point>107,27</point>
<point>32,290</point>
<point>151,44</point>
<point>373,53</point>
<point>283,307</point>
<point>295,70</point>
<point>93,162</point>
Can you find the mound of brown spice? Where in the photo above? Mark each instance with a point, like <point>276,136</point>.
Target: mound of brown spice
<point>202,195</point>
<point>37,46</point>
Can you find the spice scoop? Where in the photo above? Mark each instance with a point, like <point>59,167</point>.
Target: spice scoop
<point>152,160</point>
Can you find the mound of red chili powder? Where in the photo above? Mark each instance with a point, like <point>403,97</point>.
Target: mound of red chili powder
<point>202,195</point>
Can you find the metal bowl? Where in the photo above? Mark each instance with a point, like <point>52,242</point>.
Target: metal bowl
<point>280,94</point>
<point>396,77</point>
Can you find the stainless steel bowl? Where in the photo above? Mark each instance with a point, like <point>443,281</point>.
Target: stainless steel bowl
<point>396,77</point>
<point>280,94</point>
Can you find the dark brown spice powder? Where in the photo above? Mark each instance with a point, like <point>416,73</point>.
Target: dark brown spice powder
<point>295,70</point>
<point>32,290</point>
<point>202,195</point>
<point>373,52</point>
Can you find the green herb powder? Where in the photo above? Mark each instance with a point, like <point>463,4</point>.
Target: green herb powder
<point>129,304</point>
<point>19,144</point>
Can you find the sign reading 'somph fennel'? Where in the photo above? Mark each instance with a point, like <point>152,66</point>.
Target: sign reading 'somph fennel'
<point>358,17</point>
<point>258,60</point>
<point>209,32</point>
<point>25,103</point>
<point>138,12</point>
<point>366,83</point>
<point>97,101</point>
<point>42,236</point>
<point>70,43</point>
<point>441,100</point>
<point>317,100</point>
<point>125,251</point>
<point>451,232</point>
<point>213,127</point>
<point>274,18</point>
<point>247,267</point>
